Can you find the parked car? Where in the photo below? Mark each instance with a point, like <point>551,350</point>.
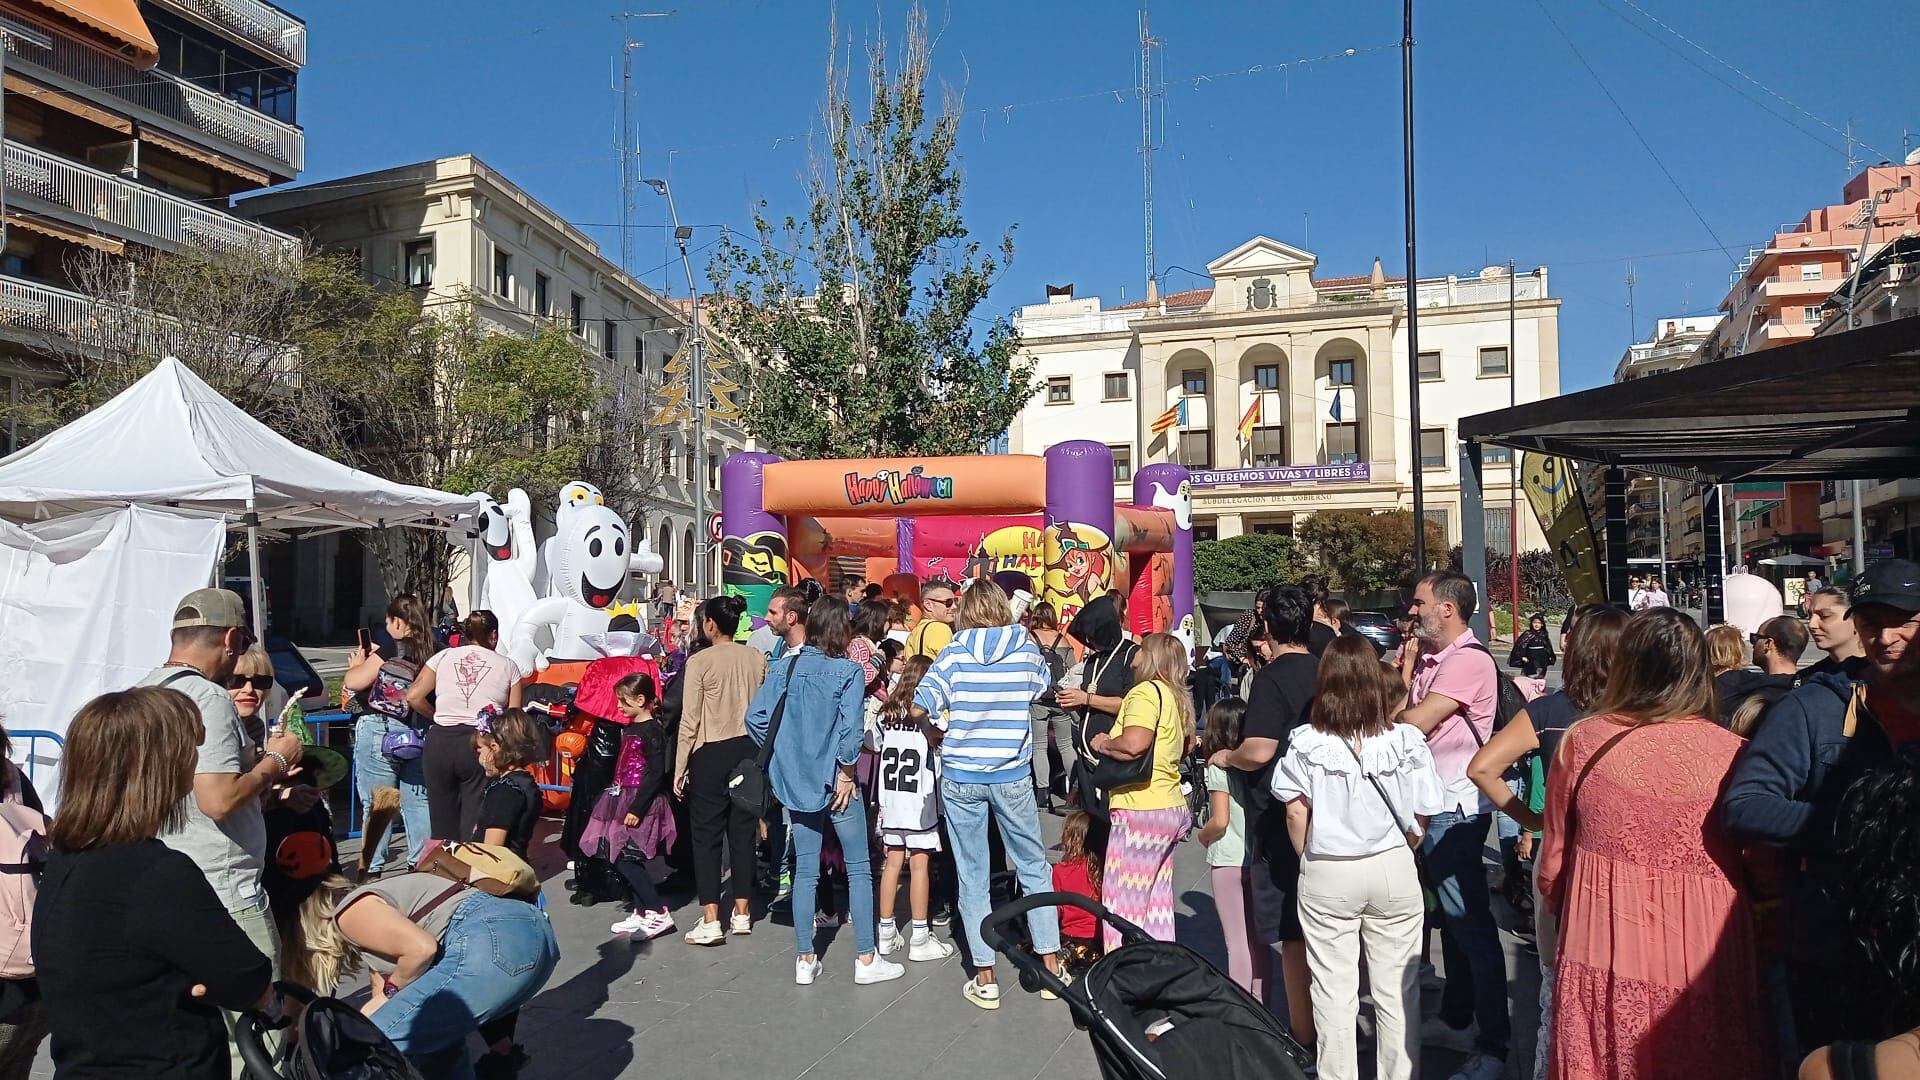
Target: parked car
<point>1377,627</point>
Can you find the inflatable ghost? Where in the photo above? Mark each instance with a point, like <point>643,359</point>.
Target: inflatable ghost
<point>587,562</point>
<point>506,536</point>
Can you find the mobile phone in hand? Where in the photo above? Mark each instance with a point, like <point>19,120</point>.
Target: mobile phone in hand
<point>366,640</point>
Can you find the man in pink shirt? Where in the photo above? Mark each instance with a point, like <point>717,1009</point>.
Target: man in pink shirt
<point>1454,690</point>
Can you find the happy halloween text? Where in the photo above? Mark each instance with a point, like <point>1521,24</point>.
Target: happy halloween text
<point>891,486</point>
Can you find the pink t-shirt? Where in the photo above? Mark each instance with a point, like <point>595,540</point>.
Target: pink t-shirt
<point>467,678</point>
<point>1469,677</point>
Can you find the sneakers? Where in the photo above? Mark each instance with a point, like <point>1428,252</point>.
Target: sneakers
<point>824,921</point>
<point>706,933</point>
<point>943,915</point>
<point>1437,1032</point>
<point>1481,1067</point>
<point>805,971</point>
<point>985,995</point>
<point>877,970</point>
<point>1065,977</point>
<point>891,941</point>
<point>927,948</point>
<point>740,924</point>
<point>646,925</point>
<point>785,891</point>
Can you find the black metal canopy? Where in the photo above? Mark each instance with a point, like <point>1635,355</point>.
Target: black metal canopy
<point>1842,406</point>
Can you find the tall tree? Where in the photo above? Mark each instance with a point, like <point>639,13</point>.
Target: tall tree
<point>861,314</point>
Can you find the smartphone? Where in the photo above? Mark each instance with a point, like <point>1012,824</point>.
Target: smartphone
<point>366,640</point>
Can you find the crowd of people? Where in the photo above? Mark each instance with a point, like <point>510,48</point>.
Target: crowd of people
<point>1711,861</point>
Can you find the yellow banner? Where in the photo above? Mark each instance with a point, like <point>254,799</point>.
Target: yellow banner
<point>1553,490</point>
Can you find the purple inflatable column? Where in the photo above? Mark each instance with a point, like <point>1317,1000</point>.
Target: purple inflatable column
<point>753,544</point>
<point>1079,524</point>
<point>1167,487</point>
<point>903,545</point>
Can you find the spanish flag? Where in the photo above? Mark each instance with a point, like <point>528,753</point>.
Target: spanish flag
<point>1251,418</point>
<point>1177,415</point>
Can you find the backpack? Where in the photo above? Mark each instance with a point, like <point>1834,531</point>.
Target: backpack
<point>1508,702</point>
<point>23,854</point>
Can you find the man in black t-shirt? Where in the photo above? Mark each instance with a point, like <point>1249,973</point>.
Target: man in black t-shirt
<point>1278,702</point>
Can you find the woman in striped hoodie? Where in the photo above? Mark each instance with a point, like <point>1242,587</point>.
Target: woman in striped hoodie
<point>978,693</point>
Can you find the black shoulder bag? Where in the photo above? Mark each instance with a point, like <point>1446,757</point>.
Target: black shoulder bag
<point>1108,773</point>
<point>747,786</point>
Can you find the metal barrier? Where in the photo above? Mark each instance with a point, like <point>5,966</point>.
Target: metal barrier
<point>32,736</point>
<point>345,795</point>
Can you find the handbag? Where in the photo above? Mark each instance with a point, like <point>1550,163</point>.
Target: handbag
<point>1107,772</point>
<point>747,785</point>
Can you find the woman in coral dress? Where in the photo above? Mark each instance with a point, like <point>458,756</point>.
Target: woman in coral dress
<point>1656,976</point>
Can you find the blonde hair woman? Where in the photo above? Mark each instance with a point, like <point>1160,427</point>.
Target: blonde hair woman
<point>1149,818</point>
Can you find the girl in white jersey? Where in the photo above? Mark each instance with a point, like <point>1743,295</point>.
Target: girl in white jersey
<point>907,784</point>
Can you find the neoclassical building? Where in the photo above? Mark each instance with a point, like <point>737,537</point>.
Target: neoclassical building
<point>1325,358</point>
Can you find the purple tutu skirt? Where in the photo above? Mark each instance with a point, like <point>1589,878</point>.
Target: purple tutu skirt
<point>608,836</point>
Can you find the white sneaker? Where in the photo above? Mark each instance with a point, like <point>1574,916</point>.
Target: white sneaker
<point>740,924</point>
<point>891,941</point>
<point>805,971</point>
<point>929,948</point>
<point>654,924</point>
<point>1437,1032</point>
<point>877,970</point>
<point>1065,977</point>
<point>985,995</point>
<point>825,922</point>
<point>706,933</point>
<point>632,924</point>
<point>1482,1067</point>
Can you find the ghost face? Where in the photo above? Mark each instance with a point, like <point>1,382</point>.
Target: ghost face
<point>491,528</point>
<point>592,556</point>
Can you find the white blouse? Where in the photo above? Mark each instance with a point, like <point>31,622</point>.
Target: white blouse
<point>1349,816</point>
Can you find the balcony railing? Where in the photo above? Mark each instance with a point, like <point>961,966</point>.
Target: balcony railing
<point>262,24</point>
<point>91,71</point>
<point>88,324</point>
<point>132,210</point>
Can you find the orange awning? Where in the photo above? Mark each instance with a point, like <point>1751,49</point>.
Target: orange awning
<point>119,20</point>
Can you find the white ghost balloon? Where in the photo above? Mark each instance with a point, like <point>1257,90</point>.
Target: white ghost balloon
<point>1179,500</point>
<point>506,536</point>
<point>587,562</point>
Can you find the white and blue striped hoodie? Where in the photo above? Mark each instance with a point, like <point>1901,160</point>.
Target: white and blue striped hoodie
<point>978,692</point>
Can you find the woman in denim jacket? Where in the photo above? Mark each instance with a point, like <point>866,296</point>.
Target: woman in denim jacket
<point>812,774</point>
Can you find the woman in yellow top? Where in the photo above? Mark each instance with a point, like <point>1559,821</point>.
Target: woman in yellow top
<point>1149,818</point>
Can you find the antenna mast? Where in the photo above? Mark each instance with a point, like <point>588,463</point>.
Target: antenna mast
<point>1150,91</point>
<point>629,148</point>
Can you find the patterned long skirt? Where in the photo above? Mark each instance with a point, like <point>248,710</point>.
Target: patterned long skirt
<point>1137,881</point>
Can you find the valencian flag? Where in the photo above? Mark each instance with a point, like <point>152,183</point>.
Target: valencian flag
<point>1172,417</point>
<point>1251,418</point>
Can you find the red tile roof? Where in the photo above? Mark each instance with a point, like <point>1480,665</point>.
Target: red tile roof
<point>1187,298</point>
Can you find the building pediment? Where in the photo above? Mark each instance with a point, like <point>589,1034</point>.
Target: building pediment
<point>1262,255</point>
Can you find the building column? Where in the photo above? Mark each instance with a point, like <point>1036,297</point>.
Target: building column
<point>1151,389</point>
<point>1224,406</point>
<point>1382,428</point>
<point>1302,401</point>
<point>1230,525</point>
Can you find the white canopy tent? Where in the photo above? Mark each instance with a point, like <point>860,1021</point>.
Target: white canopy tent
<point>172,440</point>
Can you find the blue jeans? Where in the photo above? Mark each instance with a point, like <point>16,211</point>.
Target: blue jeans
<point>806,829</point>
<point>1470,942</point>
<point>373,769</point>
<point>495,954</point>
<point>966,807</point>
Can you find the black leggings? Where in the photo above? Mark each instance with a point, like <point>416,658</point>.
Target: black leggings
<point>455,781</point>
<point>645,896</point>
<point>714,820</point>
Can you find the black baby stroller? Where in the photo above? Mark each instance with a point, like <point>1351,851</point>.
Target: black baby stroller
<point>334,1042</point>
<point>1155,1009</point>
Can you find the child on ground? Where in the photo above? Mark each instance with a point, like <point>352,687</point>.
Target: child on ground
<point>633,821</point>
<point>1224,836</point>
<point>1078,871</point>
<point>909,814</point>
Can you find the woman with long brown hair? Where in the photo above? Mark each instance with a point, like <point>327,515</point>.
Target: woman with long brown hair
<point>376,682</point>
<point>1655,973</point>
<point>1148,818</point>
<point>1358,790</point>
<point>134,953</point>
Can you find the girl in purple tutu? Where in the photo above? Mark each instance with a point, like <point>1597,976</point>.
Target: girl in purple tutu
<point>632,820</point>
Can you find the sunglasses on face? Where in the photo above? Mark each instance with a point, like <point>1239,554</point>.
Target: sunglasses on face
<point>258,682</point>
<point>943,601</point>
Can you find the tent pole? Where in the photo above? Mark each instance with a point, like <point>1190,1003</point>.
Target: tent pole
<point>254,584</point>
<point>474,564</point>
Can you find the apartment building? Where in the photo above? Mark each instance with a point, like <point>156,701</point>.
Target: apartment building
<point>1781,292</point>
<point>1676,342</point>
<point>1320,362</point>
<point>455,231</point>
<point>129,125</point>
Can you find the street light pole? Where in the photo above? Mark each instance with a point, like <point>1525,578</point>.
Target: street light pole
<point>1413,292</point>
<point>1513,463</point>
<point>696,395</point>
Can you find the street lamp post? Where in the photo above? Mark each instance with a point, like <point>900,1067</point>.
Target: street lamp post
<point>1413,292</point>
<point>696,394</point>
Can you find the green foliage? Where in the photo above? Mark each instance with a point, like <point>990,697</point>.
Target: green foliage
<point>1362,551</point>
<point>861,314</point>
<point>1246,562</point>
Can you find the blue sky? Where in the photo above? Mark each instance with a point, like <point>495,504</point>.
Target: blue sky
<point>1521,156</point>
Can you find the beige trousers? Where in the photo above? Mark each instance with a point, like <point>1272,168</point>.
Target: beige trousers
<point>1370,904</point>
